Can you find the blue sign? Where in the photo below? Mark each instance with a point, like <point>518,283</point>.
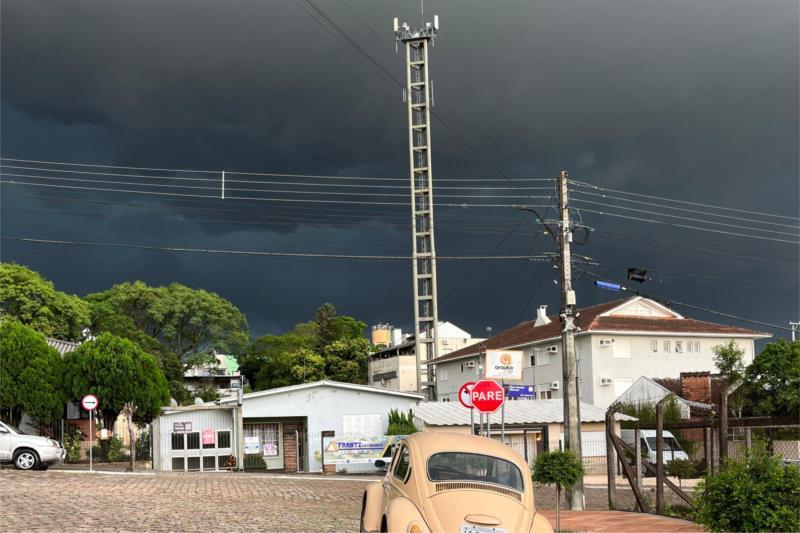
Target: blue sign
<point>520,391</point>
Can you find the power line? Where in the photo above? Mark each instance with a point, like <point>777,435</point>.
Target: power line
<point>688,226</point>
<point>296,200</point>
<point>682,217</point>
<point>585,184</point>
<point>269,253</point>
<point>684,210</point>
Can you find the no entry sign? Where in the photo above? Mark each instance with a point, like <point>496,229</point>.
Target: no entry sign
<point>89,402</point>
<point>487,396</point>
<point>464,395</point>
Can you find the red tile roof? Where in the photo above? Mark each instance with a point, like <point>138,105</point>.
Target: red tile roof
<point>589,319</point>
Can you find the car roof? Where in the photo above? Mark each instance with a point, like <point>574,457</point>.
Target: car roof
<point>430,442</point>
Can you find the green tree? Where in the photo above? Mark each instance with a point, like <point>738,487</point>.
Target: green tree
<point>190,322</point>
<point>772,381</point>
<point>269,350</point>
<point>728,358</point>
<point>324,319</point>
<point>346,360</point>
<point>754,494</point>
<point>307,366</point>
<point>34,301</point>
<point>562,469</point>
<point>30,375</point>
<point>645,414</point>
<point>117,371</point>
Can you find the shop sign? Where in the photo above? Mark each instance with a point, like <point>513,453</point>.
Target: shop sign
<point>181,427</point>
<point>503,365</point>
<point>520,391</point>
<point>251,445</point>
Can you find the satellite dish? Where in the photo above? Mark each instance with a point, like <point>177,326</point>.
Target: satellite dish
<point>436,22</point>
<point>396,24</point>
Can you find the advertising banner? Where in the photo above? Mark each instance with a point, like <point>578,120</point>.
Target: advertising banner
<point>503,365</point>
<point>251,445</point>
<point>363,450</point>
<point>209,436</point>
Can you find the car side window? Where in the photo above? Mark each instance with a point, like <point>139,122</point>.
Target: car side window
<point>401,464</point>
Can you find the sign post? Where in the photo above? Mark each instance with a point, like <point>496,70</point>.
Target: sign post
<point>90,403</point>
<point>466,400</point>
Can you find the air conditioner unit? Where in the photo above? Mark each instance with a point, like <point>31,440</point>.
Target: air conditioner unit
<point>606,381</point>
<point>469,364</point>
<point>552,349</point>
<point>554,385</point>
<point>606,342</point>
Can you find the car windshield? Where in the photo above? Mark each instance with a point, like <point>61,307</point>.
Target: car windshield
<point>13,429</point>
<point>449,466</point>
<point>670,444</point>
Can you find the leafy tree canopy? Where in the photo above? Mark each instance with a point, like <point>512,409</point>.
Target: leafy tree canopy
<point>34,301</point>
<point>728,358</point>
<point>117,371</point>
<point>772,381</point>
<point>328,347</point>
<point>560,468</point>
<point>30,374</point>
<point>190,322</point>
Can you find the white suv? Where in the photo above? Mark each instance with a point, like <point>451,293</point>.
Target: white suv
<point>28,452</point>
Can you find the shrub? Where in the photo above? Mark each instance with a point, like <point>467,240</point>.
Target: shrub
<point>401,423</point>
<point>73,437</point>
<point>562,469</point>
<point>754,494</point>
<point>112,450</point>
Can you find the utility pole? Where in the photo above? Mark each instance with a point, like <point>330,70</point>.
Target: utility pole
<point>420,99</point>
<point>572,424</point>
<point>794,326</point>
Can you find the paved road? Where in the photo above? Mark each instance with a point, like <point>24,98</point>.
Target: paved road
<point>70,500</point>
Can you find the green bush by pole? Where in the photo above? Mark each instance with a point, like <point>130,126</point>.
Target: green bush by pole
<point>560,468</point>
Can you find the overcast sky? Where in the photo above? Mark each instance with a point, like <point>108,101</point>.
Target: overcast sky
<point>688,100</point>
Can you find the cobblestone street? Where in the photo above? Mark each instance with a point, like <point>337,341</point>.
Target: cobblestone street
<point>71,500</point>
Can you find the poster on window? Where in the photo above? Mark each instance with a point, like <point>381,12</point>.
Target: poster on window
<point>251,445</point>
<point>270,450</point>
<point>209,436</point>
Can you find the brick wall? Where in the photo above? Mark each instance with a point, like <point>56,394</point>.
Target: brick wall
<point>696,386</point>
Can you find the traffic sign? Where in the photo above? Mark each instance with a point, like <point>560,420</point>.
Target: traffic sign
<point>89,402</point>
<point>487,396</point>
<point>464,394</point>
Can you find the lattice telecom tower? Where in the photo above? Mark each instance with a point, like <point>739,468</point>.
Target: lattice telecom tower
<point>419,98</point>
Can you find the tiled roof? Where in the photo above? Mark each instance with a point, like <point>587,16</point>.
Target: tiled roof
<point>516,412</point>
<point>62,347</point>
<point>589,319</point>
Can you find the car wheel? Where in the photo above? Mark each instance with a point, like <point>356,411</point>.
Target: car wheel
<point>26,460</point>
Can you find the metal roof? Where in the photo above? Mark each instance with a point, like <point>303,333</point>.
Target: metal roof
<point>62,347</point>
<point>325,383</point>
<point>517,412</point>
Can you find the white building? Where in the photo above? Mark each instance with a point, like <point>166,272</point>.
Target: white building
<point>283,428</point>
<point>392,368</point>
<point>222,376</point>
<point>617,342</point>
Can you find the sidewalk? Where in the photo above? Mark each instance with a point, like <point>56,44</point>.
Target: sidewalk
<point>597,521</point>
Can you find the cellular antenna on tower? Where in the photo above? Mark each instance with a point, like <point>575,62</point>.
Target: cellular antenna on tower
<point>419,100</point>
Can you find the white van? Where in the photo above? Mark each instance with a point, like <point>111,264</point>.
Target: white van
<point>672,449</point>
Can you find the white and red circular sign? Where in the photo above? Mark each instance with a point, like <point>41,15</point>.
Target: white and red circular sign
<point>464,394</point>
<point>487,396</point>
<point>90,402</point>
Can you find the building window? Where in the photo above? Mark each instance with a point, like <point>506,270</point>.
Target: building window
<point>654,346</point>
<point>666,346</point>
<point>442,371</point>
<point>545,392</point>
<point>696,346</point>
<point>177,442</point>
<point>223,439</point>
<point>678,346</point>
<point>193,442</point>
<point>533,360</point>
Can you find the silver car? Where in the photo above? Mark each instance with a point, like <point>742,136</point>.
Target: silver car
<point>28,452</point>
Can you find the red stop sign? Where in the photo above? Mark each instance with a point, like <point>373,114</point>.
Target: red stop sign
<point>487,396</point>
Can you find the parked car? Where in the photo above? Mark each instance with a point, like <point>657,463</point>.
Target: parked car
<point>440,481</point>
<point>28,452</point>
<point>672,449</point>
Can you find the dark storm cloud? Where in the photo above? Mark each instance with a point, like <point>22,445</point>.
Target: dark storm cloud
<point>684,99</point>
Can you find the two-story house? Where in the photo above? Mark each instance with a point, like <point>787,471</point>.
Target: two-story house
<point>617,342</point>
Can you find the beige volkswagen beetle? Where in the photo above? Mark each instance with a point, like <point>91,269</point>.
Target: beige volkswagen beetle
<point>452,483</point>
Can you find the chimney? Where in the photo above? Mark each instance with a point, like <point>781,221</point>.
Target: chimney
<point>696,386</point>
<point>541,316</point>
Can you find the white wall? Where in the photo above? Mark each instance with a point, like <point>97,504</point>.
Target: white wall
<point>324,408</point>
